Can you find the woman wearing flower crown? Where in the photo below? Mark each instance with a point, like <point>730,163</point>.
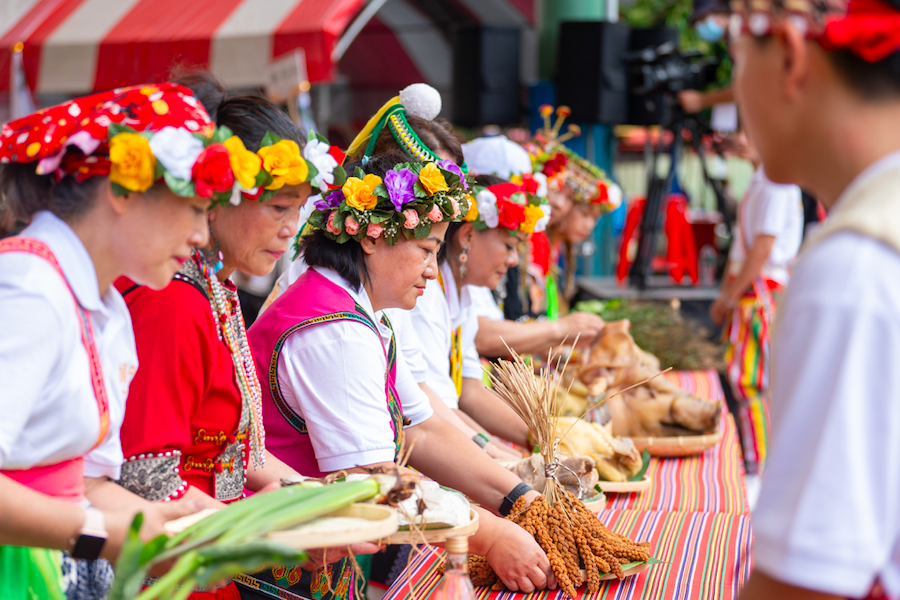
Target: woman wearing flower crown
<point>408,123</point>
<point>584,187</point>
<point>87,176</point>
<point>193,425</point>
<point>342,396</point>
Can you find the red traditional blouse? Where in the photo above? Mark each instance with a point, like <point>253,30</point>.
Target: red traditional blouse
<point>183,415</point>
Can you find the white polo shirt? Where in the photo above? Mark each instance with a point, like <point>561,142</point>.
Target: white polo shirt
<point>828,517</point>
<point>434,319</point>
<point>49,411</point>
<point>332,375</point>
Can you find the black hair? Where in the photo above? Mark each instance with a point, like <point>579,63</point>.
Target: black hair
<point>489,179</point>
<point>873,81</point>
<point>249,116</point>
<point>347,259</point>
<point>23,193</point>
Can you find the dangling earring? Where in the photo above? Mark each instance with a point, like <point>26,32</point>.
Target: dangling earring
<point>213,256</point>
<point>463,259</point>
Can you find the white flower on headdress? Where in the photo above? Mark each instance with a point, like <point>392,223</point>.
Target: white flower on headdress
<point>486,202</point>
<point>316,152</point>
<point>542,185</point>
<point>177,150</point>
<point>615,195</point>
<point>541,224</point>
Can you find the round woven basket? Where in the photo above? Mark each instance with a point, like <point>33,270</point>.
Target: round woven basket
<point>682,445</point>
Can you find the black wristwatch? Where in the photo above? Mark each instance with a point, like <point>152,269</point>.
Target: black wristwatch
<point>93,536</point>
<point>510,499</point>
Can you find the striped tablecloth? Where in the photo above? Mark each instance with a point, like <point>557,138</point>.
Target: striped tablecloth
<point>705,557</point>
<point>694,515</point>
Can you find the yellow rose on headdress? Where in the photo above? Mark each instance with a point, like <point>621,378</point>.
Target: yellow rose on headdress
<point>432,179</point>
<point>131,162</point>
<point>284,163</point>
<point>360,193</point>
<point>245,164</point>
<point>532,215</point>
<point>472,215</point>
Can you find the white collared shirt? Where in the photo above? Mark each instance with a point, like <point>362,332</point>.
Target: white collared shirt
<point>332,375</point>
<point>434,319</point>
<point>483,303</point>
<point>828,516</point>
<point>49,411</point>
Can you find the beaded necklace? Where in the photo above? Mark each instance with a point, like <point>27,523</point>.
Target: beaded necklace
<point>226,311</point>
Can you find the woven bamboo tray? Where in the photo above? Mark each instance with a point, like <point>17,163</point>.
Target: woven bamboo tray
<point>682,445</point>
<point>635,570</point>
<point>434,536</point>
<point>624,487</point>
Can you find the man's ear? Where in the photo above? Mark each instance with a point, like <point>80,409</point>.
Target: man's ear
<point>795,60</point>
<point>368,245</point>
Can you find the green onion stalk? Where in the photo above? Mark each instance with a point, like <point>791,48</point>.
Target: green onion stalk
<point>232,540</point>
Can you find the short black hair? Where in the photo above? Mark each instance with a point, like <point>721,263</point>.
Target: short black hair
<point>873,81</point>
<point>24,193</point>
<point>249,116</point>
<point>348,259</point>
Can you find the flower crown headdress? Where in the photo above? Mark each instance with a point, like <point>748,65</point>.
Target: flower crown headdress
<point>515,207</point>
<point>418,100</point>
<point>144,134</point>
<point>563,167</point>
<point>409,200</point>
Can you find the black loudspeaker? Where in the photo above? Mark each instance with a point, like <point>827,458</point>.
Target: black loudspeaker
<point>650,109</point>
<point>590,76</point>
<point>486,86</point>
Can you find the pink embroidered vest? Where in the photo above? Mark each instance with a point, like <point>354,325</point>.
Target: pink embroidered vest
<point>310,301</point>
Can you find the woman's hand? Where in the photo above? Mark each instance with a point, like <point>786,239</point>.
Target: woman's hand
<point>584,325</point>
<point>718,312</point>
<point>518,560</point>
<point>155,516</point>
<point>319,557</point>
<point>501,452</point>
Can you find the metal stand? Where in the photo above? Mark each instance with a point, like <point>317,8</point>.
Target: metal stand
<point>658,189</point>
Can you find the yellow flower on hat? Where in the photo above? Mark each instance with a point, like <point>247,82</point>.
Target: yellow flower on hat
<point>532,214</point>
<point>432,179</point>
<point>131,162</point>
<point>360,193</point>
<point>283,161</point>
<point>245,164</point>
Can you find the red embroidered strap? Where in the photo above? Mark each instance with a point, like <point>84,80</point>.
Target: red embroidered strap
<point>40,249</point>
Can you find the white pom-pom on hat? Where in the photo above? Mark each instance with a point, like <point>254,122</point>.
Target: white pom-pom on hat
<point>421,100</point>
<point>615,195</point>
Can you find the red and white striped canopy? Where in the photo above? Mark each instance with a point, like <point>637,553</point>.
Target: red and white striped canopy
<point>77,46</point>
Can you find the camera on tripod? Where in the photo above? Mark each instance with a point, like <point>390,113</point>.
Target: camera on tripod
<point>665,68</point>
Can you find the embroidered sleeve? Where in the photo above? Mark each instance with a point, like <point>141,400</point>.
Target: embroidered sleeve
<point>154,477</point>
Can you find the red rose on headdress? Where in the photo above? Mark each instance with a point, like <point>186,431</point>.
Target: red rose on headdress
<point>511,214</point>
<point>337,154</point>
<point>555,164</point>
<point>602,193</point>
<point>531,186</point>
<point>212,171</point>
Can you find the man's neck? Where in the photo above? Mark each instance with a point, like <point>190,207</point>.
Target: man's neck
<point>848,146</point>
